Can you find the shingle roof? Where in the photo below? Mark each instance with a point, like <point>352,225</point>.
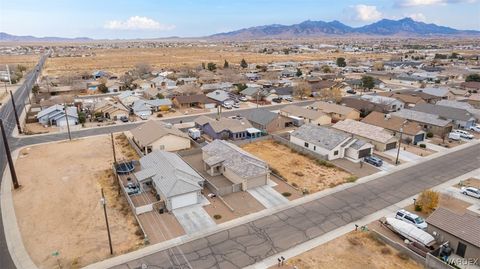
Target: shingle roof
<point>332,108</point>
<point>261,116</point>
<point>465,227</point>
<point>321,136</point>
<point>439,92</point>
<point>444,111</point>
<point>234,125</point>
<point>241,162</point>
<point>393,123</point>
<point>172,176</point>
<point>303,112</point>
<point>151,131</point>
<point>422,117</point>
<point>368,131</point>
<point>197,98</point>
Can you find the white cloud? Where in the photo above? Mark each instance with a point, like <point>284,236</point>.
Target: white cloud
<point>418,17</point>
<point>366,13</point>
<point>414,3</point>
<point>138,23</point>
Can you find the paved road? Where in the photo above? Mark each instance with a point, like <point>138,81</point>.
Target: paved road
<point>6,113</point>
<point>254,241</point>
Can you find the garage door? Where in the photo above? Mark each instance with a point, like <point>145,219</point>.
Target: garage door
<point>184,200</point>
<point>256,182</point>
<point>391,145</point>
<point>418,138</point>
<point>363,153</point>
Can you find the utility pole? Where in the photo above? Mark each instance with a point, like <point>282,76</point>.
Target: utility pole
<point>68,125</point>
<point>113,148</point>
<point>115,164</point>
<point>399,145</point>
<point>104,203</point>
<point>9,157</point>
<point>16,114</point>
<point>258,93</point>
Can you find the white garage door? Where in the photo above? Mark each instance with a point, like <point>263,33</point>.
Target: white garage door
<point>184,200</point>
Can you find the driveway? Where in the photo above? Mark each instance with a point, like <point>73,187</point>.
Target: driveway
<point>193,218</point>
<point>267,196</point>
<point>404,155</point>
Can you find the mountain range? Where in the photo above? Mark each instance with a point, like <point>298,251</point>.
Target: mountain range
<point>384,27</point>
<point>405,27</point>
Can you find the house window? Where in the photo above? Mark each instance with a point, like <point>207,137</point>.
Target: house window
<point>306,144</point>
<point>314,147</point>
<point>335,153</point>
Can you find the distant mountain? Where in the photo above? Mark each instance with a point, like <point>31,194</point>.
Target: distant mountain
<point>385,27</point>
<point>4,37</point>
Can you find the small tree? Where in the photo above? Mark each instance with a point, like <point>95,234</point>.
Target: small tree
<point>302,89</point>
<point>428,200</point>
<point>82,117</point>
<point>211,67</point>
<point>299,73</point>
<point>127,80</point>
<point>473,77</point>
<point>326,69</point>
<point>368,82</point>
<point>341,62</point>
<point>225,64</point>
<point>35,89</point>
<point>243,64</point>
<point>160,96</point>
<point>102,88</point>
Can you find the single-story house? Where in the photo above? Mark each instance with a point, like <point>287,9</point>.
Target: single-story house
<point>461,118</point>
<point>227,128</point>
<point>408,100</point>
<point>429,122</point>
<point>111,110</point>
<point>470,86</point>
<point>177,184</point>
<point>220,96</point>
<point>238,166</point>
<point>197,100</point>
<point>266,120</point>
<point>328,142</point>
<point>283,92</point>
<point>252,93</point>
<point>442,93</point>
<point>222,86</point>
<point>55,115</point>
<point>364,106</point>
<point>306,115</point>
<point>377,136</point>
<point>460,230</point>
<point>462,105</point>
<point>474,100</point>
<point>389,104</point>
<point>336,112</point>
<point>155,135</point>
<point>127,98</point>
<point>410,130</point>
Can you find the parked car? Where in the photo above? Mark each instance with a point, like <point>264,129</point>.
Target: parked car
<point>227,106</point>
<point>374,161</point>
<point>471,191</point>
<point>454,136</point>
<point>236,105</point>
<point>288,98</point>
<point>411,218</point>
<point>277,100</point>
<point>242,98</point>
<point>351,91</point>
<point>464,134</point>
<point>124,119</point>
<point>475,128</point>
<point>194,133</point>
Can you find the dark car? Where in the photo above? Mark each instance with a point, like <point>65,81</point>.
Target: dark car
<point>374,161</point>
<point>124,119</point>
<point>351,91</point>
<point>277,100</point>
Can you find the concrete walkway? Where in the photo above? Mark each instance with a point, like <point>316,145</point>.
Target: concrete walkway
<point>267,196</point>
<point>193,218</point>
<point>434,147</point>
<point>404,155</point>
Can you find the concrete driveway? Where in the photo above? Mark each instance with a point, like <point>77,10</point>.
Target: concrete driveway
<point>193,218</point>
<point>404,155</point>
<point>267,196</point>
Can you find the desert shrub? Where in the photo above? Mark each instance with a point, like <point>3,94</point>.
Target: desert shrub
<point>295,185</point>
<point>299,173</point>
<point>354,241</point>
<point>403,256</point>
<point>428,200</point>
<point>159,115</point>
<point>423,146</point>
<point>217,216</point>
<point>429,134</point>
<point>418,208</point>
<point>386,251</point>
<point>351,178</point>
<point>286,194</point>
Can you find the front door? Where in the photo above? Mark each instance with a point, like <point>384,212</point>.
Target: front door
<point>461,248</point>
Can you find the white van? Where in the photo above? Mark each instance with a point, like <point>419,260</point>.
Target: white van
<point>411,218</point>
<point>454,136</point>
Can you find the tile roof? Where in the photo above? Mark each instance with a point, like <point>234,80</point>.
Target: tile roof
<point>365,130</point>
<point>241,162</point>
<point>321,136</point>
<point>465,227</point>
<point>392,122</point>
<point>151,131</point>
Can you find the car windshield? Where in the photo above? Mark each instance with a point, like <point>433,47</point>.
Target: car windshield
<point>419,220</point>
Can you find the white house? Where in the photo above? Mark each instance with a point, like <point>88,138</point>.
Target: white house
<point>55,115</point>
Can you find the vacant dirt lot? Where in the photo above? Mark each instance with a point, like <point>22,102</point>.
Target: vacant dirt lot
<point>58,207</point>
<point>27,60</point>
<point>351,251</point>
<point>297,169</point>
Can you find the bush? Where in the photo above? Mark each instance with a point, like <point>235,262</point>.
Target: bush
<point>351,178</point>
<point>286,194</point>
<point>428,200</point>
<point>159,115</point>
<point>418,208</point>
<point>217,216</point>
<point>423,146</point>
<point>295,185</point>
<point>354,241</point>
<point>403,256</point>
<point>429,134</point>
<point>386,251</point>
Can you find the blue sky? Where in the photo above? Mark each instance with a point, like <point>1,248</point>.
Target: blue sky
<point>146,19</point>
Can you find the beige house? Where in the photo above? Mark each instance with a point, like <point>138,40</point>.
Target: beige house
<point>244,170</point>
<point>111,110</point>
<point>336,112</point>
<point>377,136</point>
<point>308,115</point>
<point>154,135</point>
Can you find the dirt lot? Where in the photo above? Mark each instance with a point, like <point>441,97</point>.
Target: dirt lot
<point>351,251</point>
<point>448,143</point>
<point>446,201</point>
<point>58,207</point>
<point>242,202</point>
<point>27,60</point>
<point>418,150</point>
<point>471,182</point>
<point>297,169</point>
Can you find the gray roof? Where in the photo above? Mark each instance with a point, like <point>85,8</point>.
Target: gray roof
<point>151,131</point>
<point>239,161</point>
<point>232,125</point>
<point>422,117</point>
<point>219,95</point>
<point>56,110</point>
<point>260,116</point>
<point>462,105</point>
<point>365,130</point>
<point>250,91</point>
<point>444,111</point>
<point>465,227</point>
<point>171,175</point>
<point>321,136</point>
<point>439,92</point>
<point>305,113</point>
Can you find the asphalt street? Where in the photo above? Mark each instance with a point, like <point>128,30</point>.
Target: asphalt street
<point>252,242</point>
